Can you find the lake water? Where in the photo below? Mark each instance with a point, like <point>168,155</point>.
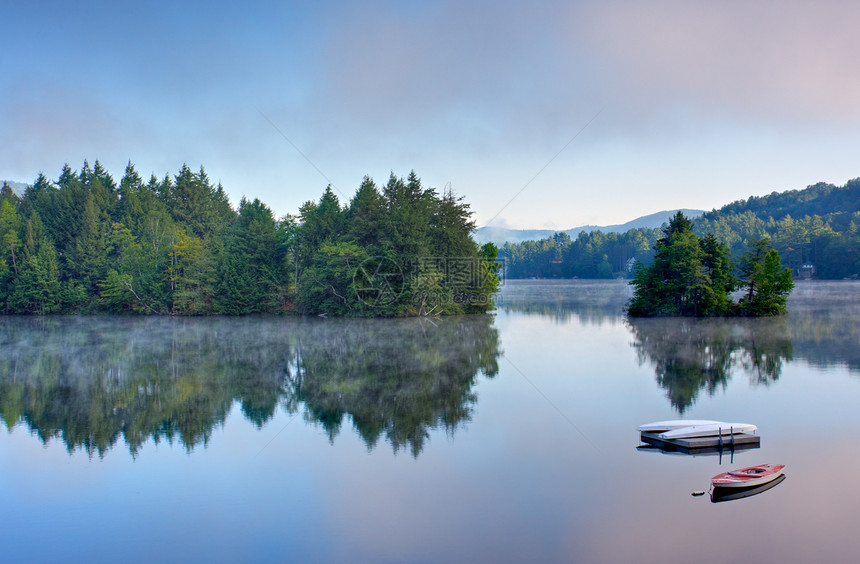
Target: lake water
<point>503,438</point>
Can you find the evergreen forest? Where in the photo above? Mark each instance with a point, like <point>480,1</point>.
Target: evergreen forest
<point>816,232</point>
<point>86,243</point>
<point>693,276</point>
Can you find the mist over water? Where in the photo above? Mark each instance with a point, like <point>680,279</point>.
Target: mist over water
<point>506,437</point>
<point>822,325</point>
<point>89,381</point>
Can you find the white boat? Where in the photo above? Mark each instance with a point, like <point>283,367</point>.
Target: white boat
<point>661,426</point>
<point>708,430</point>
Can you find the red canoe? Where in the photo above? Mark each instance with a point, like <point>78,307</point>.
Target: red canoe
<point>748,477</point>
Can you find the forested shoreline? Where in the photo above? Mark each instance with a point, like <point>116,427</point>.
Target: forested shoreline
<point>175,246</point>
<point>816,232</point>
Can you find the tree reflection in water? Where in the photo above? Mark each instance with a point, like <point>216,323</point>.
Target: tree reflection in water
<point>90,382</point>
<point>394,378</point>
<point>690,354</point>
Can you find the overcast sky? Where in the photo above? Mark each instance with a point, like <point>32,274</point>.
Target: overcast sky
<point>542,114</point>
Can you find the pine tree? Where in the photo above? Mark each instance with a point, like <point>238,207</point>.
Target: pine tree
<point>10,242</point>
<point>130,189</point>
<point>67,176</point>
<point>409,210</point>
<point>198,206</point>
<point>365,217</point>
<point>37,286</point>
<point>7,194</point>
<point>766,283</point>
<point>676,283</point>
<point>87,257</point>
<point>252,275</point>
<point>320,223</point>
<point>716,260</point>
<point>451,227</point>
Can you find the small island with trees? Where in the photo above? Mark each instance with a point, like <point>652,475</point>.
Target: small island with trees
<point>696,276</point>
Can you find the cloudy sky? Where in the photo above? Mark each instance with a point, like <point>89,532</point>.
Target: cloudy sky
<point>545,114</point>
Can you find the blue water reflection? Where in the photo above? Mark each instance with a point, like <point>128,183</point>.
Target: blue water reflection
<point>91,382</point>
<point>507,438</point>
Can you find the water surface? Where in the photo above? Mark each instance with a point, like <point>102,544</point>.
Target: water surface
<point>495,438</point>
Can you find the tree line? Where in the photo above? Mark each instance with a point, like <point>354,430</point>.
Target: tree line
<point>816,232</point>
<point>591,255</point>
<point>175,245</point>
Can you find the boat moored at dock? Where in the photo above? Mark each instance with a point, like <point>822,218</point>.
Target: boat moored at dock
<point>663,426</point>
<point>708,430</point>
<point>698,435</point>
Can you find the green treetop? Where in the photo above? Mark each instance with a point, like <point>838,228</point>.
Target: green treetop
<point>694,277</point>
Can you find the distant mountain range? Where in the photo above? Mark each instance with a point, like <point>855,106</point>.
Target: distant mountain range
<point>502,235</point>
<point>17,187</point>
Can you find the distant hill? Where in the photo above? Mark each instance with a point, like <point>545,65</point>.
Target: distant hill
<point>501,235</point>
<point>815,230</point>
<point>819,199</point>
<point>17,187</point>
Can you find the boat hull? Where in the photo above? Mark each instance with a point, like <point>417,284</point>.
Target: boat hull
<point>661,426</point>
<point>709,430</point>
<point>729,494</point>
<point>748,477</point>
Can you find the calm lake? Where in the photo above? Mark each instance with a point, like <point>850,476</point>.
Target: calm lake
<point>502,438</point>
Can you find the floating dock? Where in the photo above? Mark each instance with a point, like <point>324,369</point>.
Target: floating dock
<point>701,445</point>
